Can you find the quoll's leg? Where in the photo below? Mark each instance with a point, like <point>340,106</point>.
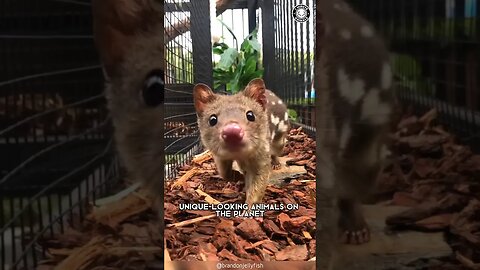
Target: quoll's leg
<point>255,191</point>
<point>276,150</point>
<point>224,168</point>
<point>353,228</point>
<point>255,188</point>
<point>257,173</point>
<point>355,178</point>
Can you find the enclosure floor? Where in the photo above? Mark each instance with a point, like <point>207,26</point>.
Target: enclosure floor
<point>391,250</point>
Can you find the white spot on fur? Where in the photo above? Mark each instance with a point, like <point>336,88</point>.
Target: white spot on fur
<point>285,117</point>
<point>275,119</point>
<point>366,31</point>
<point>386,76</point>
<point>273,135</point>
<point>346,34</point>
<point>280,101</point>
<point>352,90</point>
<point>345,135</point>
<point>273,103</point>
<point>373,110</point>
<point>282,126</point>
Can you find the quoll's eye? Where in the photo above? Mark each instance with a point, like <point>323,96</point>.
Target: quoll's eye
<point>213,120</point>
<point>250,116</point>
<point>153,92</point>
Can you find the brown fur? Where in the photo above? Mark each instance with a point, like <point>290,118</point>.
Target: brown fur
<point>256,157</point>
<point>350,169</point>
<point>129,38</point>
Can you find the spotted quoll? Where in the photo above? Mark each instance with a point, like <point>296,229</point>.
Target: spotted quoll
<point>129,37</point>
<point>355,106</point>
<point>249,127</point>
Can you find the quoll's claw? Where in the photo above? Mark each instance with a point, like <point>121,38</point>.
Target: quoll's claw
<point>276,166</point>
<point>355,237</point>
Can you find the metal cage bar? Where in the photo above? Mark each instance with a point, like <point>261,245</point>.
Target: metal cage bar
<point>288,56</point>
<point>51,106</point>
<point>189,61</point>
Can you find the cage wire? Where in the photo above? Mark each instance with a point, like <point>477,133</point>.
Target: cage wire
<point>288,50</point>
<point>435,51</point>
<point>288,56</point>
<point>188,61</point>
<point>55,144</point>
<point>235,20</point>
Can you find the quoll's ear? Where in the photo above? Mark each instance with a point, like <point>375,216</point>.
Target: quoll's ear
<point>116,25</point>
<point>202,95</point>
<point>256,90</point>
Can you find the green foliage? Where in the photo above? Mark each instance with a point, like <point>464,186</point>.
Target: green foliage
<point>237,68</point>
<point>180,64</point>
<point>434,28</point>
<point>409,72</point>
<point>292,114</point>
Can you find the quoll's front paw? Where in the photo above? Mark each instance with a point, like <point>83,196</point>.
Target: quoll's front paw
<point>354,231</point>
<point>276,164</point>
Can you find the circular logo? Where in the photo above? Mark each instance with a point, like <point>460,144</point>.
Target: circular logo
<point>301,13</point>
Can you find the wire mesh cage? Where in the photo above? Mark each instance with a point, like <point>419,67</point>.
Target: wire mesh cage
<point>56,152</point>
<point>288,56</point>
<point>188,57</point>
<point>287,50</point>
<point>435,55</point>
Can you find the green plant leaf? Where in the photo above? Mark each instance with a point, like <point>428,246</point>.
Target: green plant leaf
<point>250,65</point>
<point>228,59</point>
<point>255,44</point>
<point>258,73</point>
<point>292,114</point>
<point>218,51</point>
<point>406,65</point>
<point>237,68</point>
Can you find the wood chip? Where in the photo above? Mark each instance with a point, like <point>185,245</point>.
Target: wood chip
<point>184,178</point>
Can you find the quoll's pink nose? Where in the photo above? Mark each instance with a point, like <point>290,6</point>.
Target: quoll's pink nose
<point>232,134</point>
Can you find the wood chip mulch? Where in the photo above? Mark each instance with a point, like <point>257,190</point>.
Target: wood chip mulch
<point>119,235</point>
<point>439,179</point>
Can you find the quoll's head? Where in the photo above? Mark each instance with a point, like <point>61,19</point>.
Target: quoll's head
<point>132,52</point>
<point>232,126</point>
<point>130,42</point>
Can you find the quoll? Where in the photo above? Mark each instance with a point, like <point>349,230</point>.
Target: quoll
<point>249,127</point>
<point>355,108</point>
